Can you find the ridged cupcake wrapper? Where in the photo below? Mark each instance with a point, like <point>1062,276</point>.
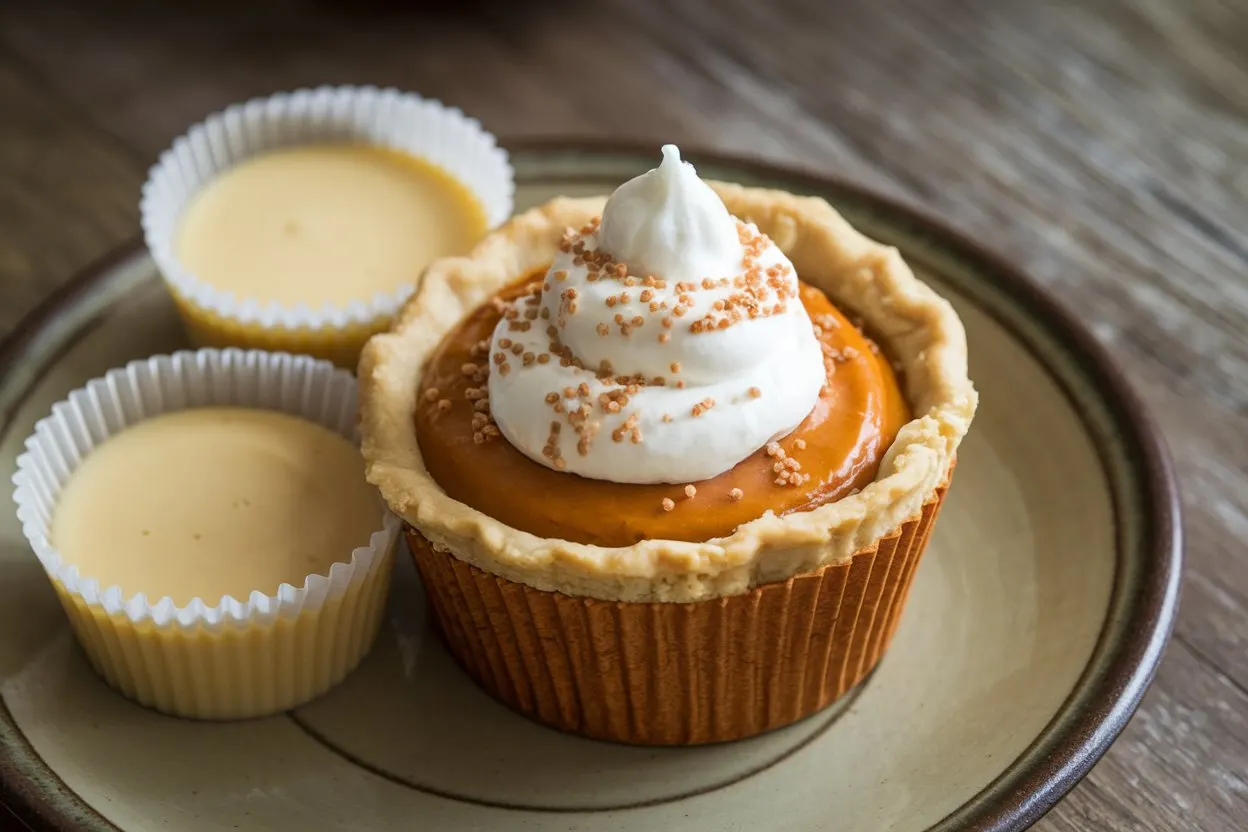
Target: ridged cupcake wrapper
<point>676,674</point>
<point>387,118</point>
<point>239,657</point>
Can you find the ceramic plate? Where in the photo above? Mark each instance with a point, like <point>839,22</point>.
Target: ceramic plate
<point>1036,620</point>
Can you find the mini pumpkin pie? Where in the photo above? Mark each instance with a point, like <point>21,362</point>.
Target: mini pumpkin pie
<point>668,461</point>
<point>205,521</point>
<point>303,221</point>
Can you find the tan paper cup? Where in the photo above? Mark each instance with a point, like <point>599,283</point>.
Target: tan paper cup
<point>226,659</point>
<point>677,673</point>
<point>386,118</point>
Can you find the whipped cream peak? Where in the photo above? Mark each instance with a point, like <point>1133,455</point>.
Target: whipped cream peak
<point>669,223</point>
<point>666,342</point>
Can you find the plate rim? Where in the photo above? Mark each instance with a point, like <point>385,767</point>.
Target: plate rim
<point>1018,797</point>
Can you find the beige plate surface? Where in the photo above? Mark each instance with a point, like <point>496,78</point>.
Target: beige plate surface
<point>1035,623</point>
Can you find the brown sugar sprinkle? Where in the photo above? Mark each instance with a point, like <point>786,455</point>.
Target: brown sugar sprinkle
<point>680,384</point>
<point>582,390</point>
<point>603,330</point>
<point>628,429</point>
<point>504,368</point>
<point>444,405</point>
<point>800,444</point>
<point>480,420</point>
<point>543,358</point>
<point>561,274</point>
<point>826,321</point>
<point>703,406</point>
<point>569,392</point>
<point>655,306</point>
<point>668,504</point>
<point>775,451</point>
<point>530,314</point>
<point>664,337</point>
<point>469,368</point>
<point>552,398</point>
<point>551,449</point>
<point>691,491</point>
<point>545,314</point>
<point>755,393</point>
<point>481,405</point>
<point>528,358</point>
<point>646,296</point>
<point>499,358</point>
<point>637,321</point>
<point>736,495</point>
<point>473,394</point>
<point>611,301</point>
<point>667,418</point>
<point>517,349</point>
<point>431,394</point>
<point>674,367</point>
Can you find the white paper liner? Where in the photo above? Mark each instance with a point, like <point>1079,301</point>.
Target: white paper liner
<point>297,385</point>
<point>388,118</point>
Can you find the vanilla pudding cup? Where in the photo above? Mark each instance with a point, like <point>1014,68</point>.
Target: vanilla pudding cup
<point>186,510</point>
<point>302,222</point>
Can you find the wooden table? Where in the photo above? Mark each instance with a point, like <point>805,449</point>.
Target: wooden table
<point>1103,145</point>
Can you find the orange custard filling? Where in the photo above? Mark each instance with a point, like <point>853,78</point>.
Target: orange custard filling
<point>834,451</point>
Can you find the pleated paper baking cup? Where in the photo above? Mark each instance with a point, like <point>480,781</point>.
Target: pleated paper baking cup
<point>387,118</point>
<point>676,673</point>
<point>240,657</point>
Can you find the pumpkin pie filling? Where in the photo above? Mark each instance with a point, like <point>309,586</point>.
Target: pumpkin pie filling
<point>835,450</point>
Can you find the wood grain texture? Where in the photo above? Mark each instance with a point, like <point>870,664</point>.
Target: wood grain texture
<point>1102,145</point>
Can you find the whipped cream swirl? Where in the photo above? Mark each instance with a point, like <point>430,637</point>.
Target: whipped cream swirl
<point>665,344</point>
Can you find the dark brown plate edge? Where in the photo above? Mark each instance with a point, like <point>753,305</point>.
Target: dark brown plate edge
<point>1119,671</point>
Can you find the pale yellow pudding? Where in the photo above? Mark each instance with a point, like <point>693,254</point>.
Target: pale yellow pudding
<point>325,224</point>
<point>213,502</point>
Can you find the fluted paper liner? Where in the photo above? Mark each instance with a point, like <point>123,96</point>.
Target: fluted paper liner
<point>386,118</point>
<point>676,673</point>
<point>240,657</point>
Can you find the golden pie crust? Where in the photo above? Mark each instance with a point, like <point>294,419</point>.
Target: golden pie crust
<point>917,328</point>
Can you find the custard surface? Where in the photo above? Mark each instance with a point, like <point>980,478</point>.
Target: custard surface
<point>218,501</point>
<point>325,224</point>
